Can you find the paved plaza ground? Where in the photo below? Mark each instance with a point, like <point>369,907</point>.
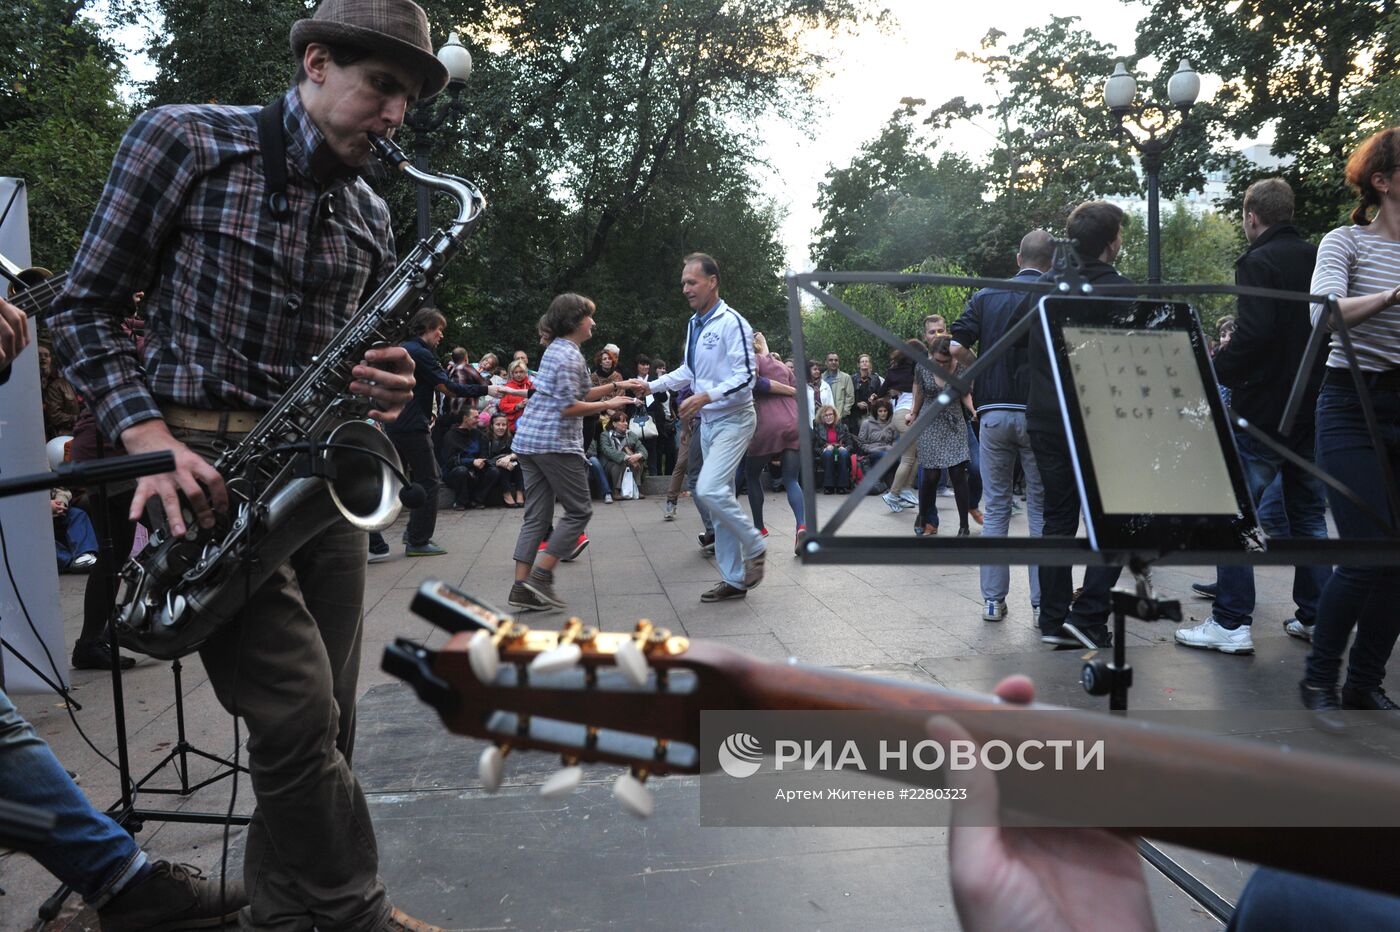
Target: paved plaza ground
<point>457,857</point>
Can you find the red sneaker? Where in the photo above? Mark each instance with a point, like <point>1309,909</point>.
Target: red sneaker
<point>763,531</point>
<point>579,547</point>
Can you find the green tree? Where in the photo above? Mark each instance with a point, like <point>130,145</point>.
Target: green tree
<point>1199,248</point>
<point>63,119</point>
<point>1290,65</point>
<point>899,309</point>
<point>1055,146</point>
<point>221,51</point>
<point>610,138</point>
<point>894,206</point>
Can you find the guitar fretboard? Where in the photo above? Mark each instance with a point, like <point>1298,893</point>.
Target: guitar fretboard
<point>36,299</point>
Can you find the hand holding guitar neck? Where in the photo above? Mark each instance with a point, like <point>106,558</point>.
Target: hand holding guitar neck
<point>634,699</point>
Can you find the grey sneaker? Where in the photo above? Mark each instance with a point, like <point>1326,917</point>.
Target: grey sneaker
<point>525,600</point>
<point>541,583</point>
<point>994,610</point>
<point>670,512</point>
<point>379,554</point>
<point>430,549</point>
<point>173,896</point>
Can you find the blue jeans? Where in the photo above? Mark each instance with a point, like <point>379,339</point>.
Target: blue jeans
<point>1004,438</point>
<point>595,466</point>
<point>1360,597</point>
<point>88,851</point>
<point>724,439</point>
<point>1275,901</point>
<point>836,468</point>
<point>1304,515</point>
<point>695,459</point>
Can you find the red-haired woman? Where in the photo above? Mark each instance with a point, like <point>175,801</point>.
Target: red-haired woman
<point>1361,262</point>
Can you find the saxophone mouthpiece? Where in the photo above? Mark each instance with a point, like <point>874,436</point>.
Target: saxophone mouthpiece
<point>388,151</point>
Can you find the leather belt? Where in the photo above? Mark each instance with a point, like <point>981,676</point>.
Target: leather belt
<point>1386,381</point>
<point>217,422</point>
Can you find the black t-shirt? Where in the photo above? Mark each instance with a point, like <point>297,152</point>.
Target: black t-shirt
<point>1043,405</point>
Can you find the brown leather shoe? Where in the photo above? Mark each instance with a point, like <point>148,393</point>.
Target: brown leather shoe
<point>400,921</point>
<point>173,896</point>
<point>753,569</point>
<point>722,593</point>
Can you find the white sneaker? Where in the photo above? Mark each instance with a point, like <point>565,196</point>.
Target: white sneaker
<point>893,502</point>
<point>607,499</point>
<point>1298,630</point>
<point>910,497</point>
<point>84,561</point>
<point>1210,636</point>
<point>994,610</point>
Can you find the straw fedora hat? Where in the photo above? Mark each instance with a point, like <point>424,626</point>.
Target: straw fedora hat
<point>394,29</point>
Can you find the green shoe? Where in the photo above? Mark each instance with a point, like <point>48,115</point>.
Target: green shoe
<point>430,549</point>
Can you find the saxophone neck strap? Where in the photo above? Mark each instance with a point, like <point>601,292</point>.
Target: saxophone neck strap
<point>273,143</point>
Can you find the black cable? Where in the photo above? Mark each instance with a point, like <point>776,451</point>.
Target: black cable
<point>34,629</point>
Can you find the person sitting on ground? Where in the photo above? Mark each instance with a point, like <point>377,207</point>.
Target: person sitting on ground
<point>464,463</point>
<point>877,431</point>
<point>502,465</point>
<point>61,401</point>
<point>74,539</point>
<point>833,446</point>
<point>512,406</point>
<point>620,452</point>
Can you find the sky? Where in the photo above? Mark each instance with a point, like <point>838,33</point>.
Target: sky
<point>915,57</point>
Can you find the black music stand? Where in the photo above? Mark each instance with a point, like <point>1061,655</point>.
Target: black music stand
<point>126,812</point>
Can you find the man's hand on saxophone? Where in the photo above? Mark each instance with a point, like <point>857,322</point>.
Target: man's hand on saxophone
<point>386,375</point>
<point>200,482</point>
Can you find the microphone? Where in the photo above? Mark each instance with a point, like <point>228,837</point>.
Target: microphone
<point>412,496</point>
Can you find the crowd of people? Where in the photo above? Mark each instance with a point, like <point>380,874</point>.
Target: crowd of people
<point>194,377</point>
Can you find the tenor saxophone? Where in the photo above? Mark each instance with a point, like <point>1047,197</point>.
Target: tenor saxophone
<point>311,460</point>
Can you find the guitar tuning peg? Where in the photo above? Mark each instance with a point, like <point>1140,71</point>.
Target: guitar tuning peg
<point>564,657</point>
<point>492,766</point>
<point>562,783</point>
<point>633,796</point>
<point>632,662</point>
<point>481,652</point>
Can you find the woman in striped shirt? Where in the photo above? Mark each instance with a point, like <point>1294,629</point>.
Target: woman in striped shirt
<point>1360,263</point>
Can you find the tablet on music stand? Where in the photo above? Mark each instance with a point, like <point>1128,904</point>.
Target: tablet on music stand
<point>1153,452</point>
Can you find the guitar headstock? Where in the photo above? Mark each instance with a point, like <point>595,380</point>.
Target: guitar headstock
<point>627,698</point>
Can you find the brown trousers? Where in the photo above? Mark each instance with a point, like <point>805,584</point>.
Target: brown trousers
<point>288,665</point>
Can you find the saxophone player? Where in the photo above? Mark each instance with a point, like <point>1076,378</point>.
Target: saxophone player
<point>241,291</point>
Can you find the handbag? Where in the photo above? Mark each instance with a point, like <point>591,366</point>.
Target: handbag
<point>644,427</point>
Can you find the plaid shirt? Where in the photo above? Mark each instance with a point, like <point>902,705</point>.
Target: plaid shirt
<point>236,302</point>
<point>562,380</point>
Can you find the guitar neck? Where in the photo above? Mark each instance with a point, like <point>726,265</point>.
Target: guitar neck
<point>36,299</point>
<point>1207,779</point>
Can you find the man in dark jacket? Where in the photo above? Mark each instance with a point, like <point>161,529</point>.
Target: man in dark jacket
<point>1096,227</point>
<point>1258,365</point>
<point>410,433</point>
<point>1000,396</point>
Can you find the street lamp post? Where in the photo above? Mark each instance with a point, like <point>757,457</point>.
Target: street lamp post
<point>427,117</point>
<point>1153,137</point>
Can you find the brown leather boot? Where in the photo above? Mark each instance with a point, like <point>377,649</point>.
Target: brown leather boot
<point>400,921</point>
<point>173,896</point>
